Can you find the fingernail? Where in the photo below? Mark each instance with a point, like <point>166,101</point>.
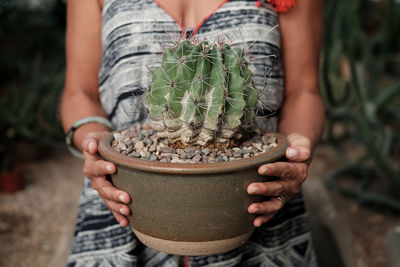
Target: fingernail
<point>121,210</point>
<point>263,170</point>
<point>109,168</point>
<point>292,153</point>
<point>255,190</point>
<point>257,224</point>
<point>122,198</point>
<point>255,210</point>
<point>91,147</point>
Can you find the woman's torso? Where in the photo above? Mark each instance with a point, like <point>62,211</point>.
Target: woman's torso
<point>136,32</point>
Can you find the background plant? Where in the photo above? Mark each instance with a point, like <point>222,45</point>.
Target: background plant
<point>31,73</point>
<point>360,79</point>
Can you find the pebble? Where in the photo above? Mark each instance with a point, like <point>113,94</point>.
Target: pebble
<point>247,143</point>
<point>122,146</point>
<point>127,141</point>
<point>139,146</point>
<point>269,139</point>
<point>258,146</point>
<point>125,132</point>
<point>190,154</point>
<point>190,150</point>
<point>141,141</point>
<point>246,151</point>
<point>114,143</point>
<point>135,154</point>
<point>206,151</point>
<point>176,160</point>
<point>141,136</point>
<point>167,149</point>
<point>128,150</point>
<point>147,142</point>
<point>196,159</point>
<point>237,154</point>
<point>117,137</point>
<point>152,148</point>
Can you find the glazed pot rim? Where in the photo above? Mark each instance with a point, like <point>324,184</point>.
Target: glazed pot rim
<point>109,154</point>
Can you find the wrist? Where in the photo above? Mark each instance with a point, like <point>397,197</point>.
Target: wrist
<point>80,129</point>
<point>82,132</point>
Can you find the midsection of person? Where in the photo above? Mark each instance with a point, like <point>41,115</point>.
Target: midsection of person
<point>135,33</point>
<point>112,48</point>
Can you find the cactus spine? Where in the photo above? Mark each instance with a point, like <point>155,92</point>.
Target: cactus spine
<point>201,94</point>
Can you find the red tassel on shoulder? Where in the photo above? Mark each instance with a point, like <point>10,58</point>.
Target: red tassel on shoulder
<point>280,6</point>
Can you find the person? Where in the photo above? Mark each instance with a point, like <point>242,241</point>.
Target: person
<point>111,48</point>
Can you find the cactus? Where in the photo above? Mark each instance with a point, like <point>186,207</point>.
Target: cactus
<point>202,93</point>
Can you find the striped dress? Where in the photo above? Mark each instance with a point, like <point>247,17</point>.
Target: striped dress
<point>134,35</point>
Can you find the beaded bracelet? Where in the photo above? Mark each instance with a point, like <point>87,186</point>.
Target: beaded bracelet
<point>76,125</point>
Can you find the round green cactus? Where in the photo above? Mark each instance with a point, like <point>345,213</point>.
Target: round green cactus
<point>202,93</point>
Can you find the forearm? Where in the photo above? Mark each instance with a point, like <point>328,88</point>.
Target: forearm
<point>83,56</point>
<point>301,35</point>
<point>303,113</point>
<point>77,105</point>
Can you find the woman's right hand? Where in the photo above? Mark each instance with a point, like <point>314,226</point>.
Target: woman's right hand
<point>96,169</point>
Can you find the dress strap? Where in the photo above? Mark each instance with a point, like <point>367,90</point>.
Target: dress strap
<point>280,6</point>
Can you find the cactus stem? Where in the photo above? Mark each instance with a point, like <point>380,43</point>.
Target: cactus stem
<point>179,63</point>
<point>206,57</point>
<point>196,84</point>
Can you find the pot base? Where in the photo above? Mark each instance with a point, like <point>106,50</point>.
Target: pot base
<point>192,248</point>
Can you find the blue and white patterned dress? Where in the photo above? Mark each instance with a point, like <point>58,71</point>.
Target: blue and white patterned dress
<point>134,35</point>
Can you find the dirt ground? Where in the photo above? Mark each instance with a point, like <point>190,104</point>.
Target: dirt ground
<point>36,224</point>
<point>345,233</point>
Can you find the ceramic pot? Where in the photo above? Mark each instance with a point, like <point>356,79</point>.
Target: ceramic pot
<point>11,181</point>
<point>186,208</point>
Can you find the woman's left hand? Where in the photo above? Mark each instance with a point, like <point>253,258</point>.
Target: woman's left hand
<point>289,178</point>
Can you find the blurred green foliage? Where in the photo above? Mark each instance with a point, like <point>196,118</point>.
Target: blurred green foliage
<point>32,66</point>
<point>360,80</point>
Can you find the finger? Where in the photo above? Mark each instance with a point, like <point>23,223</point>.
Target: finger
<point>296,140</point>
<point>107,191</point>
<point>273,188</point>
<point>289,170</point>
<point>270,206</point>
<point>90,145</point>
<point>97,167</point>
<point>299,154</point>
<point>117,207</point>
<point>258,221</point>
<point>122,220</point>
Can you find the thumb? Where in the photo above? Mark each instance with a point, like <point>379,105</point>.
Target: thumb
<point>299,154</point>
<point>90,145</point>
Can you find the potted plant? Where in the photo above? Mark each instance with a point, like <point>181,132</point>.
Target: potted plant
<point>11,173</point>
<point>31,78</point>
<point>188,171</point>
